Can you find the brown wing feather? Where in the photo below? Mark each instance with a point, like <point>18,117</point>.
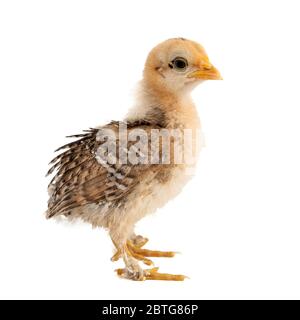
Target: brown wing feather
<point>79,179</point>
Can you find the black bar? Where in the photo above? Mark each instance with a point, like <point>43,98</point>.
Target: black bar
<point>145,309</point>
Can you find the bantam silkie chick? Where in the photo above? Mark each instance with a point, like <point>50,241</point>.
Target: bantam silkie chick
<point>93,183</point>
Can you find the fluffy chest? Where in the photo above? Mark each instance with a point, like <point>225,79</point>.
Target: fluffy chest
<point>156,191</point>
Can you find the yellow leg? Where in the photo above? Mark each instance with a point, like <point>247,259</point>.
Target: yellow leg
<point>133,249</point>
<point>130,250</point>
<point>137,241</point>
<point>137,256</point>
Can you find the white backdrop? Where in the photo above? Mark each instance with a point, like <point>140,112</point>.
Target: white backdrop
<point>69,65</point>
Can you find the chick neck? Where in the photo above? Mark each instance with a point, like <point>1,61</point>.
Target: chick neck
<point>170,110</point>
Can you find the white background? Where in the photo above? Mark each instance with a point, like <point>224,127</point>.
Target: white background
<point>69,65</point>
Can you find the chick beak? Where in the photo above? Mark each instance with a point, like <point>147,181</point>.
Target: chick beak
<point>206,72</point>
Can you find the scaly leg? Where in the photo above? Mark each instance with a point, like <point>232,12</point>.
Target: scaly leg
<point>138,240</point>
<point>132,253</point>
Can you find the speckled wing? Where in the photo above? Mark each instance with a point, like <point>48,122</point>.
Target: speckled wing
<point>80,179</point>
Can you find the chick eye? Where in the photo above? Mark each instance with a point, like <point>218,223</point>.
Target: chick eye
<point>179,63</point>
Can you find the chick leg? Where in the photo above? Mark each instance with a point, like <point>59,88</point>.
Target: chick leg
<point>134,246</point>
<point>134,272</point>
<point>132,255</point>
<point>138,240</point>
<point>132,269</point>
<point>129,251</point>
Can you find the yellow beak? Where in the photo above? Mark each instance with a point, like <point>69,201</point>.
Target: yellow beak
<point>208,72</point>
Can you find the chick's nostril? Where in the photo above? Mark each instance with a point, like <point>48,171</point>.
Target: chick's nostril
<point>207,66</point>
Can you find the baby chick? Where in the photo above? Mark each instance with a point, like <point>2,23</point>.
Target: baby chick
<point>114,175</point>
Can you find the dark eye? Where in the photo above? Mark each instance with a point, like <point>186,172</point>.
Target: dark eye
<point>179,63</point>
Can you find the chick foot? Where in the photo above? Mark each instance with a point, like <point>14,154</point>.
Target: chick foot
<point>149,274</point>
<point>149,253</point>
<point>132,253</point>
<point>134,249</point>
